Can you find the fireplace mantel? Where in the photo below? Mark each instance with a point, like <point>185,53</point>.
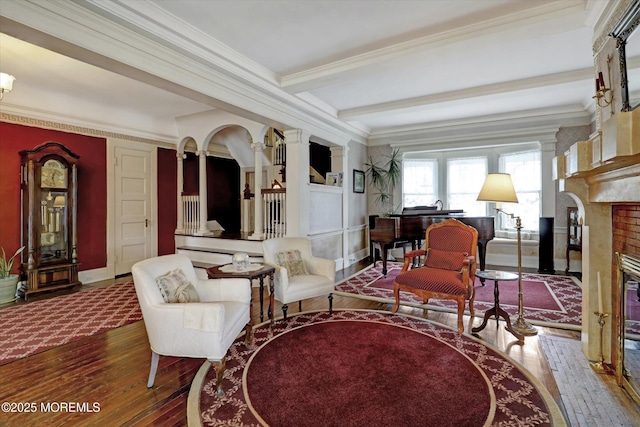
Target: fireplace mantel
<point>609,155</point>
<point>599,173</point>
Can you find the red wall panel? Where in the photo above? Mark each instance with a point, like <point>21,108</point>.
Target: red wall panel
<point>92,188</point>
<point>167,204</point>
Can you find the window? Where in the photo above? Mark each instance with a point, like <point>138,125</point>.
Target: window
<point>525,171</point>
<point>419,182</point>
<point>464,181</point>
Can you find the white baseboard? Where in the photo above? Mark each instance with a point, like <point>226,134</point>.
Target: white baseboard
<point>95,275</point>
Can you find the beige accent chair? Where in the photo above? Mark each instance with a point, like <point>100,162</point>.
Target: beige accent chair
<point>204,329</point>
<point>287,288</point>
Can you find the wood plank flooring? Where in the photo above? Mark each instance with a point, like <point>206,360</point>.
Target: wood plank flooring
<point>107,372</point>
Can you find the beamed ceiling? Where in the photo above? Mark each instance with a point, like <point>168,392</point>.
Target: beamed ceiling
<point>372,71</point>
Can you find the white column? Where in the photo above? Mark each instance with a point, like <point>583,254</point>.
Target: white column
<point>258,233</point>
<point>340,163</point>
<point>202,191</point>
<point>297,213</point>
<point>180,188</point>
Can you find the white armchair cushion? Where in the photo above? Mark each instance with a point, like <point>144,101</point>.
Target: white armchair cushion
<point>175,287</point>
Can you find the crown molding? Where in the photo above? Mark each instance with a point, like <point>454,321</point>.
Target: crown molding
<point>315,77</point>
<point>480,139</point>
<point>45,120</point>
<point>81,32</point>
<point>171,32</point>
<point>569,115</point>
<point>512,126</point>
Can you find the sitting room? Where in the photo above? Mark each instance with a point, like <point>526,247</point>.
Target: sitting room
<point>320,213</point>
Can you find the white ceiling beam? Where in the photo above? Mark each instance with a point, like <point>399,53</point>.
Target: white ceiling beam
<point>493,89</point>
<point>326,74</point>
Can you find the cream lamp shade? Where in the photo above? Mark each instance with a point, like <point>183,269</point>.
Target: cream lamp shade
<point>498,187</point>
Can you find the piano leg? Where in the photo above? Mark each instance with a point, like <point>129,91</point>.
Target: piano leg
<point>383,253</point>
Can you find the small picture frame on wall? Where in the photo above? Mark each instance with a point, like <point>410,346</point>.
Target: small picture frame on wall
<point>358,181</point>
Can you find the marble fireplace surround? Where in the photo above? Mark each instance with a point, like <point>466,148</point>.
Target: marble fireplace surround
<point>599,173</point>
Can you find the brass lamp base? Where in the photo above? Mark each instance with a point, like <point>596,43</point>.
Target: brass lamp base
<point>523,328</point>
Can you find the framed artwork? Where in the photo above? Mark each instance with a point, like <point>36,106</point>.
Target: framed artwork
<point>334,179</point>
<point>358,181</point>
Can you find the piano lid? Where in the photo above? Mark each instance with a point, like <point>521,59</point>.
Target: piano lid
<point>430,212</point>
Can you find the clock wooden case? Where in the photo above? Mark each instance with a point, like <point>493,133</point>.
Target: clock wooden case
<point>49,188</point>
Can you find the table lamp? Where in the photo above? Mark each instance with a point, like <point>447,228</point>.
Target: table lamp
<point>498,188</point>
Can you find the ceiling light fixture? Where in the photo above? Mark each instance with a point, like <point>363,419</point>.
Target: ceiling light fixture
<point>6,83</point>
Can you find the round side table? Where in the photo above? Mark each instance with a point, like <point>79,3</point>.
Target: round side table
<point>496,311</point>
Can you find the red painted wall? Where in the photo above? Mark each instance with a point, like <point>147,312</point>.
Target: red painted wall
<point>167,204</point>
<point>92,188</point>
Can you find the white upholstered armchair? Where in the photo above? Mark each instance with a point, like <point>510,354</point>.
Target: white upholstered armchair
<point>299,275</point>
<point>205,326</point>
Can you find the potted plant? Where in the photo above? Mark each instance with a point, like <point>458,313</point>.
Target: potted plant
<point>384,178</point>
<point>8,281</point>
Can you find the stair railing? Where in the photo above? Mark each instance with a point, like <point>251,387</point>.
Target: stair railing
<point>274,202</point>
<point>191,213</point>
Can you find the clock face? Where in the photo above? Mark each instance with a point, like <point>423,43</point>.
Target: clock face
<point>53,175</point>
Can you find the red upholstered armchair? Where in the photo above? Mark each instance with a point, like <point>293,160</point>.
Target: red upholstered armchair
<point>449,268</point>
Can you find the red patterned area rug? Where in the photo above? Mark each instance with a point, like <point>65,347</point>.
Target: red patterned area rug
<point>360,368</point>
<point>37,326</point>
<point>549,300</point>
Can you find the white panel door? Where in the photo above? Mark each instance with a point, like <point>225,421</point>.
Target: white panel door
<point>133,230</point>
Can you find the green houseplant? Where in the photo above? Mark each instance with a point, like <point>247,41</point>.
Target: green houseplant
<point>8,281</point>
<point>383,178</point>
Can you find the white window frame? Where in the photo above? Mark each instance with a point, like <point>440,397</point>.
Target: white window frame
<point>529,221</point>
<point>427,201</point>
<point>473,185</point>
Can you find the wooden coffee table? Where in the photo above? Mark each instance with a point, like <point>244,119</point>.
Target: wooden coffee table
<point>261,273</point>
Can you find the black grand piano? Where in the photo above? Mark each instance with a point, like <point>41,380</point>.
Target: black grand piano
<point>411,226</point>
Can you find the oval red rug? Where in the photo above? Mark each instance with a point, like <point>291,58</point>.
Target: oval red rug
<point>356,372</point>
<point>356,368</point>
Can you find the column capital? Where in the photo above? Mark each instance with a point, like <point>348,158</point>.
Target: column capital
<point>180,156</point>
<point>296,136</point>
<point>257,146</point>
<point>339,150</point>
<point>548,144</point>
<point>202,153</point>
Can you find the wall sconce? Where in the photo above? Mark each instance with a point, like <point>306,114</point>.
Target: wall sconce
<point>6,83</point>
<point>604,94</point>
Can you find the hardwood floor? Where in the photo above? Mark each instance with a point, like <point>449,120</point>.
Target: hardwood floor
<point>107,372</point>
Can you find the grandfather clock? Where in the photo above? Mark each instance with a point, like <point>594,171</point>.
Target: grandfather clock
<point>49,188</point>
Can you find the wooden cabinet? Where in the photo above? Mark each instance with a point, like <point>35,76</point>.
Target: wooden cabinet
<point>574,234</point>
<point>49,187</point>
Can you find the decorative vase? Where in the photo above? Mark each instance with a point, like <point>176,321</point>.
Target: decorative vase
<point>8,288</point>
<point>240,261</point>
